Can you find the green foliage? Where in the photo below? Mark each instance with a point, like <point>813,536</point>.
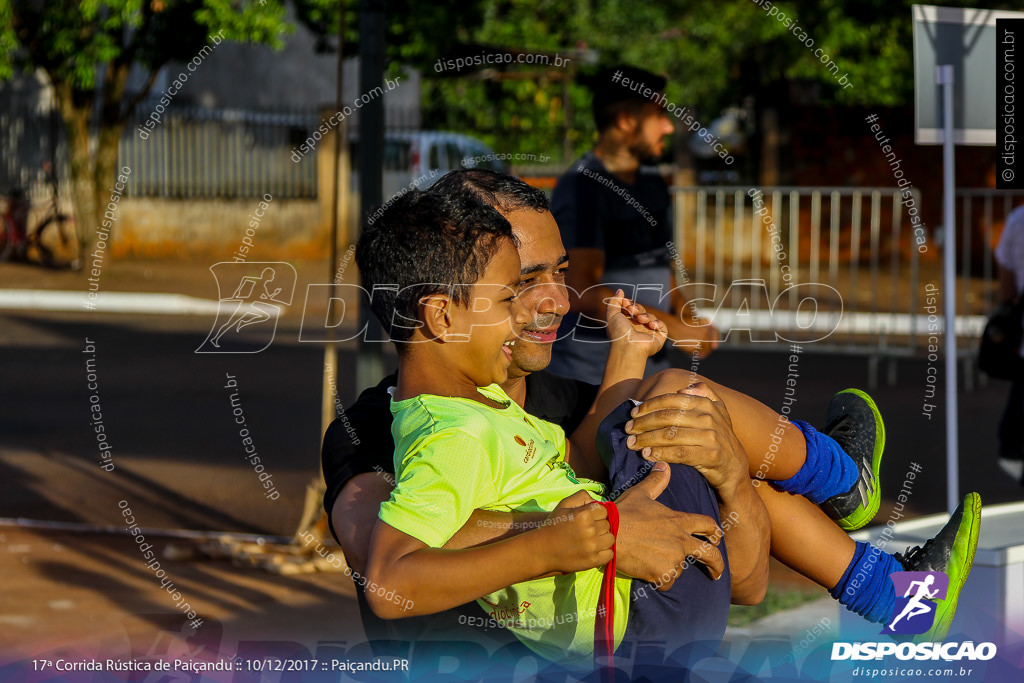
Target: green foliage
<point>524,115</point>
<point>778,599</point>
<point>416,31</point>
<point>715,53</point>
<point>420,31</point>
<point>72,41</point>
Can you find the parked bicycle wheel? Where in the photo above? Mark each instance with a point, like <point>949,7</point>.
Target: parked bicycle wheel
<point>55,242</point>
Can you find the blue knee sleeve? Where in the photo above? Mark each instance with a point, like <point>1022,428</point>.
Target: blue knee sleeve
<point>827,470</point>
<point>865,588</point>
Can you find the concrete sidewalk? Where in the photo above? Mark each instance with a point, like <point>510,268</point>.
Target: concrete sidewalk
<point>88,595</point>
<point>133,285</point>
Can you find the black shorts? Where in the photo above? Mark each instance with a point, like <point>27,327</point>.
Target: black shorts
<point>668,627</point>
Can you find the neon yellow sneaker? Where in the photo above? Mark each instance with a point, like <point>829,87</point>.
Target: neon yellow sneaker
<point>950,551</point>
<point>855,423</point>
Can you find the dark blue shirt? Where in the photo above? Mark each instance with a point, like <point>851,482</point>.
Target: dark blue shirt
<point>630,223</point>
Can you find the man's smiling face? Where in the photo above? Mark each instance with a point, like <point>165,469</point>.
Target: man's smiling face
<point>543,293</point>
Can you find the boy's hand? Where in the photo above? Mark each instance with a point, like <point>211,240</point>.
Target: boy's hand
<point>630,323</point>
<point>577,535</point>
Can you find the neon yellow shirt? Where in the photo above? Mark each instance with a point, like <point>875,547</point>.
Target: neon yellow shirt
<point>454,455</point>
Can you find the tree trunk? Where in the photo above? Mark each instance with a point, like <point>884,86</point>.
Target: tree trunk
<point>93,171</point>
<point>111,125</point>
<point>105,175</point>
<point>76,111</point>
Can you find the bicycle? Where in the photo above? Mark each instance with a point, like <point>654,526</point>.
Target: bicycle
<point>52,247</point>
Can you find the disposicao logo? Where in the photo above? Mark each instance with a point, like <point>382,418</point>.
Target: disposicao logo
<point>914,613</point>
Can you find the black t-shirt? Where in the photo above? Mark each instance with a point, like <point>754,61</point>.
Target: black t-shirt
<point>360,441</point>
<point>630,223</point>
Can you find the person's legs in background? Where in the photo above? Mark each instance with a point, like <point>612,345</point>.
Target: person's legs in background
<point>1011,428</point>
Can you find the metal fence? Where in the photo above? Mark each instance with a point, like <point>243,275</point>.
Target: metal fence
<point>187,153</point>
<point>846,267</point>
<point>31,135</point>
<point>219,153</point>
<point>190,153</point>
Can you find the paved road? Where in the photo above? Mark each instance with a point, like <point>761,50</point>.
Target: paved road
<point>170,423</point>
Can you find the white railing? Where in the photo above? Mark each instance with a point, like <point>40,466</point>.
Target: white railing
<point>872,265</point>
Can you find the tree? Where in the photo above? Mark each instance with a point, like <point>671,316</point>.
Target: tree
<point>515,108</point>
<point>88,50</point>
<point>715,53</point>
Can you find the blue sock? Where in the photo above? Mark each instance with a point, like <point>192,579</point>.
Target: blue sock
<point>865,588</point>
<point>827,471</point>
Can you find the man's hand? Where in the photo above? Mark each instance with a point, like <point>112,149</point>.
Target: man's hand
<point>630,323</point>
<point>692,427</point>
<point>655,541</point>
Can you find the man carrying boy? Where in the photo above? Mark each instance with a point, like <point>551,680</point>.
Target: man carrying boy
<point>654,540</point>
<point>454,457</point>
<point>532,356</point>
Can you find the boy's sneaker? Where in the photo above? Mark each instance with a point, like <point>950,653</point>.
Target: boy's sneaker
<point>855,423</point>
<point>950,551</point>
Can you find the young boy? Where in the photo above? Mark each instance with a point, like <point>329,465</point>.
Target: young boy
<point>462,448</point>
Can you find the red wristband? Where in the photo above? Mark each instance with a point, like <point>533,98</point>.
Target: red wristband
<point>604,624</point>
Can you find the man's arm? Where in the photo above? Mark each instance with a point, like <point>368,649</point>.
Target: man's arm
<point>354,514</point>
<point>357,447</point>
<point>748,541</point>
<point>1007,285</point>
<point>694,428</point>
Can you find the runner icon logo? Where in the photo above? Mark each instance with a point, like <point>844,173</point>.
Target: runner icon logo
<point>251,297</point>
<point>916,593</point>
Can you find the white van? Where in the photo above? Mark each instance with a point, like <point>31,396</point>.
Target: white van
<point>418,159</point>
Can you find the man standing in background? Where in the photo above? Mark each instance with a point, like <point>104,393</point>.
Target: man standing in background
<point>615,214</point>
<point>1010,257</point>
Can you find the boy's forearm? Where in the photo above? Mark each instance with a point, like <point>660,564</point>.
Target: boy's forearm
<point>355,512</point>
<point>428,580</point>
<point>622,376</point>
<point>487,526</point>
